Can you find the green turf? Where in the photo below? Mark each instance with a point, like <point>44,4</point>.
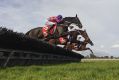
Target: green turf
<point>87,70</point>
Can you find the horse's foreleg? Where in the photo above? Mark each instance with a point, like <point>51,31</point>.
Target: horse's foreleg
<point>81,49</point>
<point>90,50</point>
<point>64,47</point>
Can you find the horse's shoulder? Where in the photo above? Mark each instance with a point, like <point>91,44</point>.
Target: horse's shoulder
<point>36,28</point>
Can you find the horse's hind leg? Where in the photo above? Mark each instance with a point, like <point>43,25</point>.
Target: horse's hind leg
<point>81,49</point>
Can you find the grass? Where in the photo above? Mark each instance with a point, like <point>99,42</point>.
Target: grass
<point>86,70</point>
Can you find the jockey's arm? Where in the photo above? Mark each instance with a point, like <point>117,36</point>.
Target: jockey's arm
<point>50,24</point>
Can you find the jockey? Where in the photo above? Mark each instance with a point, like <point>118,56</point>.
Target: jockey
<point>51,24</point>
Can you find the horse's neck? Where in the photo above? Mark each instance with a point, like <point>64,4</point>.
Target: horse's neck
<point>85,37</point>
<point>84,43</point>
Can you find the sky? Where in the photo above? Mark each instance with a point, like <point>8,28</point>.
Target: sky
<point>99,17</point>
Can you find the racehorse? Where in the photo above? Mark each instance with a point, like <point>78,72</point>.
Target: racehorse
<point>75,43</point>
<point>52,39</point>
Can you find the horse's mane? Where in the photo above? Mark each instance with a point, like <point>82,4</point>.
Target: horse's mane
<point>68,18</point>
<point>73,20</point>
<point>19,41</point>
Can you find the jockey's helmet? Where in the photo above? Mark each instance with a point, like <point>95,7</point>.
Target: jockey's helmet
<point>59,18</point>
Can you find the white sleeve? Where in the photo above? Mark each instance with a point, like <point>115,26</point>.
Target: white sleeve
<point>49,23</point>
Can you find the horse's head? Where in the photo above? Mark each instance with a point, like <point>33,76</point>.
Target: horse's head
<point>78,22</point>
<point>87,39</point>
<point>75,20</point>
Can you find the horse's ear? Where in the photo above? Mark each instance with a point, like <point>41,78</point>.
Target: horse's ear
<point>76,15</point>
